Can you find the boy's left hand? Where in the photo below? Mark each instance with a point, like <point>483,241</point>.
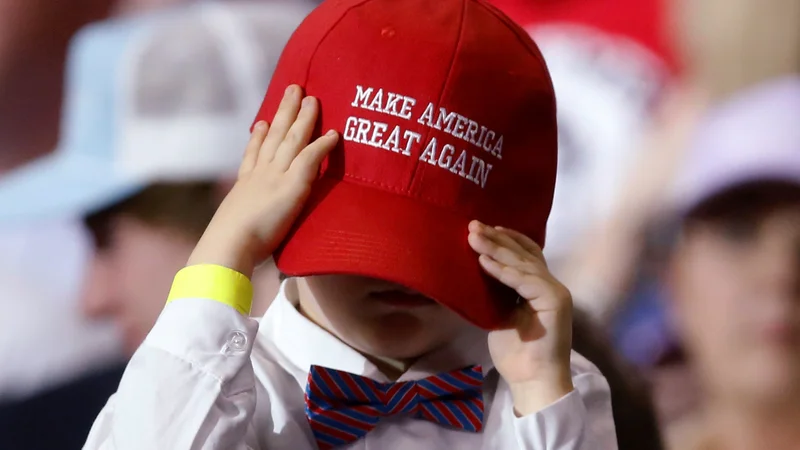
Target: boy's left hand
<point>533,353</point>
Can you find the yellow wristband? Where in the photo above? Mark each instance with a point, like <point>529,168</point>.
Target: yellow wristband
<point>216,283</point>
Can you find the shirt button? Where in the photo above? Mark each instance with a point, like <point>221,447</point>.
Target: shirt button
<point>236,343</point>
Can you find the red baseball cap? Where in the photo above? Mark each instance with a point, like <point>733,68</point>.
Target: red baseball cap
<point>447,114</point>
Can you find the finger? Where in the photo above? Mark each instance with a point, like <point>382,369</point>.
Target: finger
<point>251,151</point>
<point>523,240</point>
<point>482,244</point>
<point>507,275</point>
<point>541,292</point>
<point>284,118</point>
<point>498,237</point>
<point>530,253</point>
<point>505,240</point>
<point>504,249</point>
<point>306,164</point>
<point>298,135</point>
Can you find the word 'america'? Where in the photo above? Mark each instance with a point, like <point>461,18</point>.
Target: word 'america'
<point>401,141</point>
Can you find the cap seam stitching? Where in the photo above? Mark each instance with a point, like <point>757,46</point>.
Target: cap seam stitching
<point>325,36</point>
<point>413,181</point>
<point>514,28</point>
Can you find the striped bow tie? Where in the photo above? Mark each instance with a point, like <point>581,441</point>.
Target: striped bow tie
<point>342,407</point>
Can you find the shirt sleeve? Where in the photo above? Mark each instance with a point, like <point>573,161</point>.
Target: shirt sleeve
<point>581,420</point>
<point>190,385</point>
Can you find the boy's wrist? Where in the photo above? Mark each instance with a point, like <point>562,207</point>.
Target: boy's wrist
<point>535,395</point>
<point>231,251</point>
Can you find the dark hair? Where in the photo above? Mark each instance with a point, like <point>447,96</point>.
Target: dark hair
<point>634,413</point>
<point>749,199</point>
<point>183,207</point>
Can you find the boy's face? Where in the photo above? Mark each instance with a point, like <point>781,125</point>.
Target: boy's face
<point>736,283</point>
<point>376,317</point>
<point>129,278</point>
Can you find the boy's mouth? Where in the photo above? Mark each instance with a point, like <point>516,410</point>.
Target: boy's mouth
<point>402,299</point>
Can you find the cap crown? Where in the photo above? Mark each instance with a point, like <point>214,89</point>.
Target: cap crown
<point>447,103</point>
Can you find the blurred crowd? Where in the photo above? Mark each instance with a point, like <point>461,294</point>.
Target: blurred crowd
<point>676,222</point>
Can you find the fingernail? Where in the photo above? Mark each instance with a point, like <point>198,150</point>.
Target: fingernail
<point>289,91</point>
<point>260,125</point>
<point>307,102</point>
<point>331,133</point>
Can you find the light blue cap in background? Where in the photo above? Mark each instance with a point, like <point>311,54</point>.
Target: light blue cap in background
<point>164,97</point>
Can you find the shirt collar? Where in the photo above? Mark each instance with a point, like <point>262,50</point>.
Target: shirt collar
<point>303,343</point>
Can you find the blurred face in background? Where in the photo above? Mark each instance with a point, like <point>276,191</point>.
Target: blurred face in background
<point>140,244</point>
<point>129,279</point>
<point>735,277</point>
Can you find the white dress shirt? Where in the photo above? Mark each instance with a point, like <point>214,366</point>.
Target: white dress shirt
<point>207,377</point>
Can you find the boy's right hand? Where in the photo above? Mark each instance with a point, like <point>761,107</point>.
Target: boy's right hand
<point>275,178</point>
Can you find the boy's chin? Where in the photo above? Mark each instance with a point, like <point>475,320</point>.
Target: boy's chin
<point>398,338</point>
<point>408,350</point>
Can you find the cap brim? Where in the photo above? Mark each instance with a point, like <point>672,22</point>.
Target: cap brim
<point>58,186</point>
<point>350,229</point>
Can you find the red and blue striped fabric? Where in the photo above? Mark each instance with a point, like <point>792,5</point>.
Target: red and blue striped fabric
<point>342,407</point>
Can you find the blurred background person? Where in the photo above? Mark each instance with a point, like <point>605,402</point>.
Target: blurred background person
<point>635,416</point>
<point>734,271</point>
<point>707,50</point>
<point>612,64</point>
<point>610,61</point>
<point>724,47</point>
<point>720,47</point>
<point>42,262</point>
<point>156,109</point>
<point>43,338</point>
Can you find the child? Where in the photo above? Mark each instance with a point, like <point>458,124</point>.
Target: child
<point>734,271</point>
<point>446,113</point>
